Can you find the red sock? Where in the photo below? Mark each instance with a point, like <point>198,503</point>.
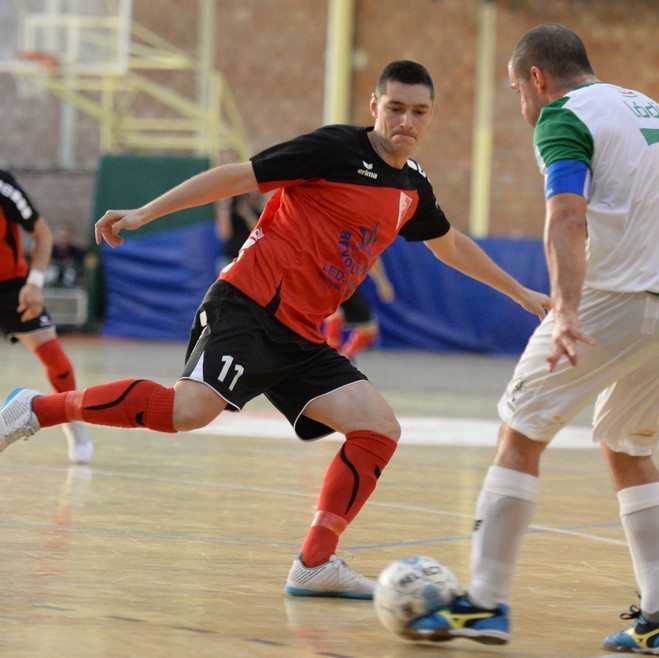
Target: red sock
<point>126,403</point>
<point>58,367</point>
<point>333,330</point>
<point>357,341</point>
<point>349,481</point>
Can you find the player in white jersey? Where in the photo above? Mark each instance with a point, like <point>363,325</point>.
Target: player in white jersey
<point>598,146</point>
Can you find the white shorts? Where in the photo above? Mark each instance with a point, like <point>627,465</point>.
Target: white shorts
<point>622,369</point>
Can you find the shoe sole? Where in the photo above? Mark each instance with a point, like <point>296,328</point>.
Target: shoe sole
<point>296,591</point>
<point>446,634</point>
<point>638,651</point>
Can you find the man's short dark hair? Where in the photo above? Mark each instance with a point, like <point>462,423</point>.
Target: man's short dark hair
<point>555,50</point>
<point>407,72</point>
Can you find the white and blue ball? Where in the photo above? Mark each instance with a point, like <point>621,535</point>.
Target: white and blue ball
<point>412,587</point>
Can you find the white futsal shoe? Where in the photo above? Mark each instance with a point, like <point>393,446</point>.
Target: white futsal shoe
<point>81,447</point>
<point>17,420</point>
<point>334,578</point>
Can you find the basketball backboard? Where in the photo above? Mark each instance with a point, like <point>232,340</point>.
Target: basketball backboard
<point>83,36</point>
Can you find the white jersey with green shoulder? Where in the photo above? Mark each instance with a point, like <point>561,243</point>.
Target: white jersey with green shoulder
<point>615,132</point>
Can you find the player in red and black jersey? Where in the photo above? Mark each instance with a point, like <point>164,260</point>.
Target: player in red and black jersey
<point>22,315</point>
<point>342,195</point>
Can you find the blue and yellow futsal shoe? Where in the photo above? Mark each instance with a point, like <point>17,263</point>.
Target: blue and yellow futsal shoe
<point>642,637</point>
<point>462,619</point>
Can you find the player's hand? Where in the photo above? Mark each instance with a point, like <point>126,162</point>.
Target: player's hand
<point>567,333</point>
<point>534,302</point>
<point>30,302</point>
<point>107,228</point>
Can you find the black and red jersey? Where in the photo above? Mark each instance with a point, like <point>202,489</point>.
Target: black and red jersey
<point>338,205</point>
<point>16,210</point>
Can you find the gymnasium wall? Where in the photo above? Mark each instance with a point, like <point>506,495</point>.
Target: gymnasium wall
<point>151,286</point>
<point>437,308</point>
<point>272,52</point>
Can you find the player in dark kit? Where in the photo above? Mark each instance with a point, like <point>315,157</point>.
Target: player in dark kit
<point>343,194</point>
<point>22,315</point>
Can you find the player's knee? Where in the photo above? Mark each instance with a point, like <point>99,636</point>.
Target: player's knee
<point>192,417</point>
<point>517,451</point>
<point>388,426</point>
<point>195,405</point>
<point>185,421</point>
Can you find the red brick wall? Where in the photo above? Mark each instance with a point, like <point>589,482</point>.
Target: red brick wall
<point>272,54</point>
<point>621,37</point>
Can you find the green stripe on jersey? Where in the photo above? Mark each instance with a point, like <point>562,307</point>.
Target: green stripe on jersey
<point>561,135</point>
<point>651,135</point>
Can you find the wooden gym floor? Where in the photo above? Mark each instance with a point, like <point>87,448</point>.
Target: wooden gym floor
<point>180,545</point>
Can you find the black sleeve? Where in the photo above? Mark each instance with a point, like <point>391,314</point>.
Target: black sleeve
<point>302,158</point>
<point>429,220</point>
<point>15,203</point>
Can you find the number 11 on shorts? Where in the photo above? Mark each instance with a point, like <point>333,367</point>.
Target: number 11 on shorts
<point>228,363</point>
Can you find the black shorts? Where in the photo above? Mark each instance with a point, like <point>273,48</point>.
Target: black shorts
<point>356,309</point>
<point>10,318</point>
<point>241,350</point>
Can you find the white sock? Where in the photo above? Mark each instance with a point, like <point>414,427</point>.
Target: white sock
<point>504,510</point>
<point>639,513</point>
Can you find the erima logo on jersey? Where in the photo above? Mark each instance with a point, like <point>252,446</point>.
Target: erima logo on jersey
<point>367,170</point>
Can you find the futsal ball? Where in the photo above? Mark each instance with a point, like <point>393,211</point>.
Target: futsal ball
<point>412,587</point>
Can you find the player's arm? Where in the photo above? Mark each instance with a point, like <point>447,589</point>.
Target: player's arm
<point>462,253</point>
<point>383,286</point>
<point>565,247</point>
<point>30,296</point>
<point>217,183</point>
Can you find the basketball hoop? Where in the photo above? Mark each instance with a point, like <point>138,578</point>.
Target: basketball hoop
<point>38,57</point>
<point>32,83</point>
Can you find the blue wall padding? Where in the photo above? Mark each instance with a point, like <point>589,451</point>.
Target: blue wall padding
<point>155,283</point>
<point>438,308</point>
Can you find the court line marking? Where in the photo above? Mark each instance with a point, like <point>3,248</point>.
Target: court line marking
<point>416,430</point>
<point>146,534</point>
<point>533,528</point>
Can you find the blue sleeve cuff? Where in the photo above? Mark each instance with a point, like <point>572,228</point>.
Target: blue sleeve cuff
<point>567,176</point>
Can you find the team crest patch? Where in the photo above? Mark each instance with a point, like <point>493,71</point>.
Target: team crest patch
<point>404,203</point>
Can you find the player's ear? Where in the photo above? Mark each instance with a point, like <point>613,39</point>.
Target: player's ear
<point>374,106</point>
<point>538,78</point>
